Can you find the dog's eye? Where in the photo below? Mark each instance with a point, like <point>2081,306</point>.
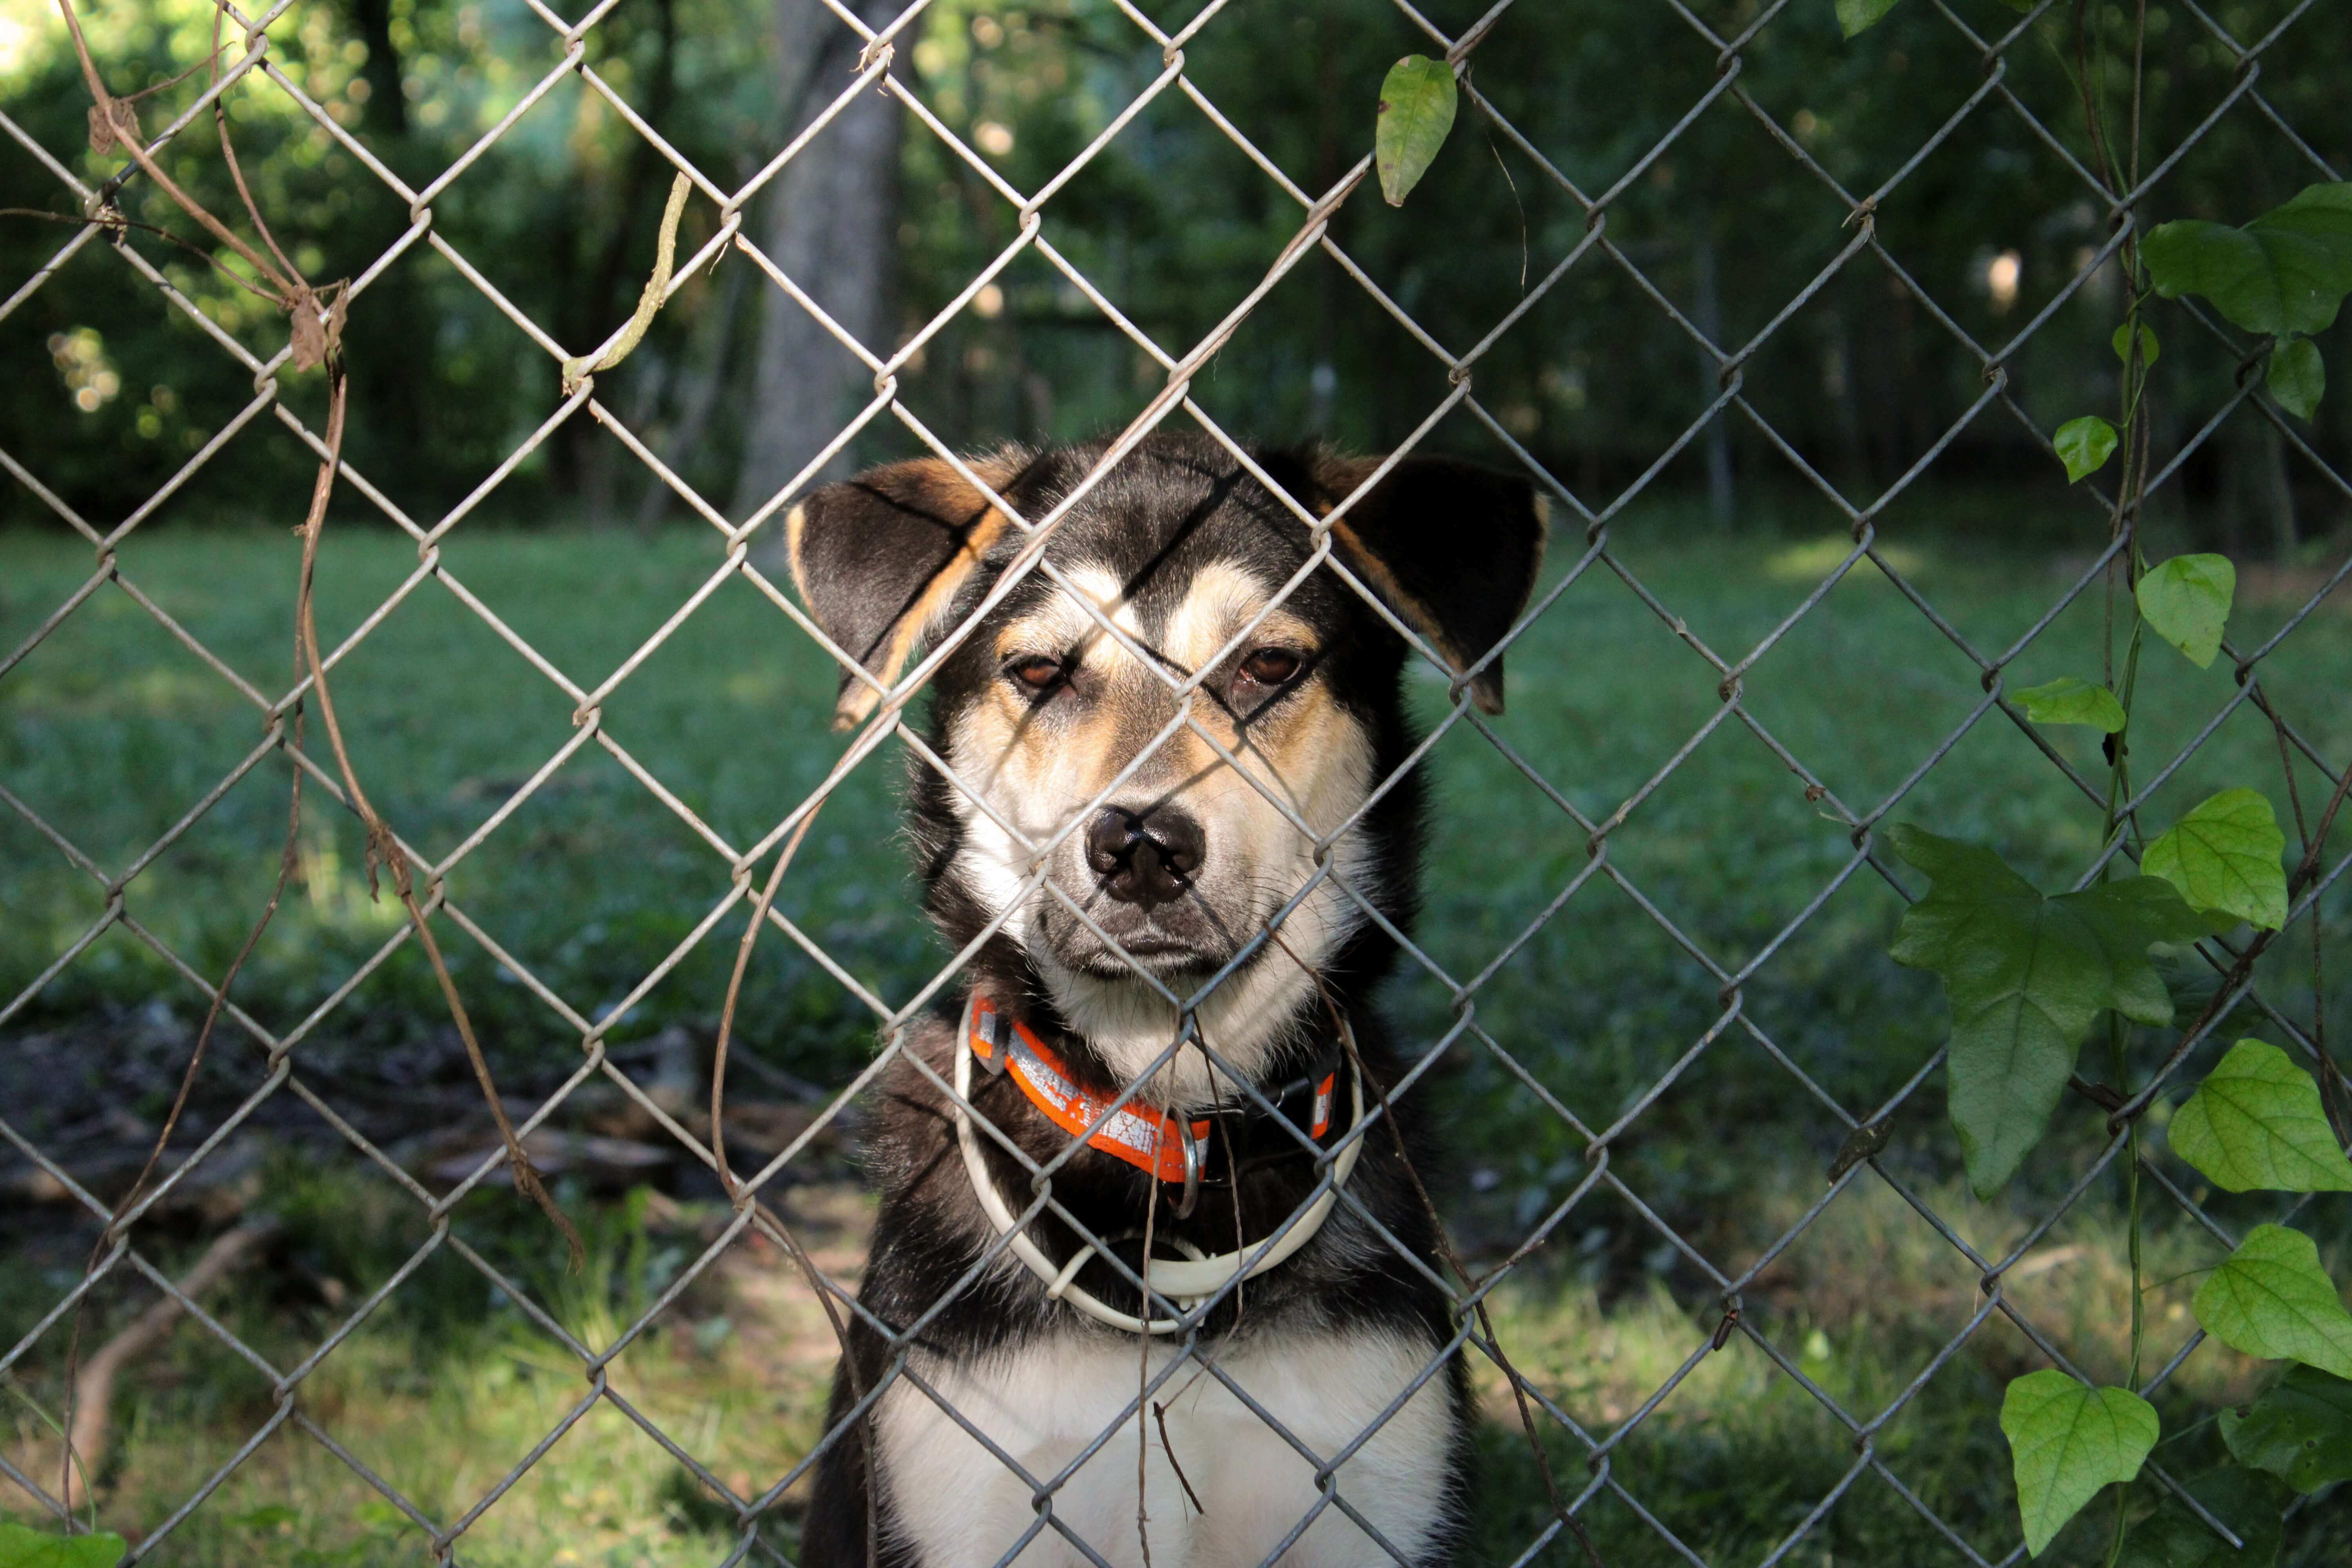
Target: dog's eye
<point>1035,671</point>
<point>1271,666</point>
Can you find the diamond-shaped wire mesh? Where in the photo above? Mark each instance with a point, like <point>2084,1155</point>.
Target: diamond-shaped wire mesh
<point>1856,230</point>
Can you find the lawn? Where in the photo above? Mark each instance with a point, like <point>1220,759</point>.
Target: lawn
<point>110,731</point>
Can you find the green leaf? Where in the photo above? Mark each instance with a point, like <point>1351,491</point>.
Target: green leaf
<point>2067,700</point>
<point>2301,1430</point>
<point>1416,111</point>
<point>2272,1299</point>
<point>2191,980</point>
<point>2147,349</point>
<point>2187,602</point>
<point>22,1547</point>
<point>2297,378</point>
<point>2067,1440</point>
<point>1860,16</point>
<point>2225,857</point>
<point>2287,271</point>
<point>2085,446</point>
<point>2255,1124</point>
<point>2249,1503</point>
<point>2026,976</point>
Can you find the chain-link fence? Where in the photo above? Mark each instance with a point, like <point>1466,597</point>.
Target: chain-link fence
<point>1584,529</point>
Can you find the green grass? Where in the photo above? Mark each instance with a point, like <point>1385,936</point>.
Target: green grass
<point>446,1386</point>
<point>112,730</point>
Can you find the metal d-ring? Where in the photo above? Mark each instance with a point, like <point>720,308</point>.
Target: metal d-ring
<point>1191,1147</point>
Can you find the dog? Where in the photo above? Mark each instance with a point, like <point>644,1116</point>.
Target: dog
<point>1168,847</point>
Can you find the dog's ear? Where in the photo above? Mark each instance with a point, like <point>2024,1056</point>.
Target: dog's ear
<point>880,559</point>
<point>1451,548</point>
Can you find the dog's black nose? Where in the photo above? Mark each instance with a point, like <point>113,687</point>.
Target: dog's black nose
<point>1146,860</point>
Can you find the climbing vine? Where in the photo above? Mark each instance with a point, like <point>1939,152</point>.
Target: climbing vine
<point>2032,978</point>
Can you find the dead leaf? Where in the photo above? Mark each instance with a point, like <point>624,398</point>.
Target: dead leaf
<point>1862,1143</point>
<point>117,122</point>
<point>318,325</point>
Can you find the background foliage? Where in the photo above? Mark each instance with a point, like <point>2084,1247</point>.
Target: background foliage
<point>1172,221</point>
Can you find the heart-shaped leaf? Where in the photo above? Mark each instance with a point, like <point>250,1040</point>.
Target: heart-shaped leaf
<point>2067,700</point>
<point>2187,602</point>
<point>2121,342</point>
<point>23,1547</point>
<point>2297,378</point>
<point>2271,1300</point>
<point>2085,446</point>
<point>2300,1429</point>
<point>2066,1440</point>
<point>2225,857</point>
<point>2287,271</point>
<point>2026,976</point>
<point>1417,102</point>
<point>2255,1124</point>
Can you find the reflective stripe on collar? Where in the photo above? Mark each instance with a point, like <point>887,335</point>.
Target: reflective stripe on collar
<point>1139,1134</point>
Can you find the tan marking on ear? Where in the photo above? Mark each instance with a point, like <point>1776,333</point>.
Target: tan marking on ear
<point>929,606</point>
<point>795,524</point>
<point>1373,568</point>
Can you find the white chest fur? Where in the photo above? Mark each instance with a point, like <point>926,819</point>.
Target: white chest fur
<point>960,1507</point>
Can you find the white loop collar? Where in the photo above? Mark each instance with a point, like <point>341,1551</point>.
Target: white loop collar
<point>1193,1279</point>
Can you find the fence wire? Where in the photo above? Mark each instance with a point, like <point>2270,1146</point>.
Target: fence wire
<point>1582,523</point>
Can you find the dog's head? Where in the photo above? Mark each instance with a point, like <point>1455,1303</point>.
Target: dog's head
<point>1177,775</point>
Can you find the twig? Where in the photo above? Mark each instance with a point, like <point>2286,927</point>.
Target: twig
<point>236,170</point>
<point>316,339</point>
<point>139,154</point>
<point>115,220</point>
<point>1452,1260</point>
<point>1160,1414</point>
<point>649,302</point>
<point>775,1222</point>
<point>760,907</point>
<point>383,846</point>
<point>154,88</point>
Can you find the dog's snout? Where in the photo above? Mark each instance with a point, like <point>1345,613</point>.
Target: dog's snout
<point>1149,859</point>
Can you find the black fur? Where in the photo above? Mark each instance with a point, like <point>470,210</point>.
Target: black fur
<point>1454,550</point>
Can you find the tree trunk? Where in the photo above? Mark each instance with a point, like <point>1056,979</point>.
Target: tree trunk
<point>701,380</point>
<point>1707,317</point>
<point>831,214</point>
<point>1838,378</point>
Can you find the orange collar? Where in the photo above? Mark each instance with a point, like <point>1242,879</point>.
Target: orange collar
<point>1137,1133</point>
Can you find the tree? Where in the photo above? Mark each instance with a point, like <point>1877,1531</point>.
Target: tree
<point>831,216</point>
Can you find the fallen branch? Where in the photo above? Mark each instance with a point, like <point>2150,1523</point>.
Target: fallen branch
<point>93,1386</point>
<point>1494,1345</point>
